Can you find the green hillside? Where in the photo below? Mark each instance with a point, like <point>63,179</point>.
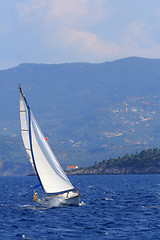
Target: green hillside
<point>145,162</point>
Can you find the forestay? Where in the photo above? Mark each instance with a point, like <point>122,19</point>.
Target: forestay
<point>51,175</point>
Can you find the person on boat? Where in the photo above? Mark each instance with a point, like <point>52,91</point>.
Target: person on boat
<point>35,197</point>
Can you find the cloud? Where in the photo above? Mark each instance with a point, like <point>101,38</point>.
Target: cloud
<point>84,27</point>
<point>51,9</point>
<point>30,8</point>
<point>136,29</point>
<point>68,11</point>
<point>89,43</point>
<point>70,8</point>
<point>65,21</point>
<point>77,12</point>
<point>133,36</point>
<point>137,41</point>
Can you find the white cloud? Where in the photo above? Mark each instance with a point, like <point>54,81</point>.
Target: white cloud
<point>30,8</point>
<point>133,36</point>
<point>69,8</point>
<point>69,11</point>
<point>136,29</point>
<point>138,42</point>
<point>89,43</point>
<point>70,24</point>
<point>77,12</point>
<point>65,23</point>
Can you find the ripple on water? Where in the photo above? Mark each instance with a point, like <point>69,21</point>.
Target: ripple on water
<point>112,207</point>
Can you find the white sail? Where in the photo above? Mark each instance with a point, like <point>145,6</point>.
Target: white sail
<point>50,173</point>
<point>25,128</point>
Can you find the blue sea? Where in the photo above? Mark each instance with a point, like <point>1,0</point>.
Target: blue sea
<point>112,207</point>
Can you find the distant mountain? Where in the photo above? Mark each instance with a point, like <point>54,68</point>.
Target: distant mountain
<point>88,111</point>
<point>13,161</point>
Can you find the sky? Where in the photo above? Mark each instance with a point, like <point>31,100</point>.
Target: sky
<point>60,31</point>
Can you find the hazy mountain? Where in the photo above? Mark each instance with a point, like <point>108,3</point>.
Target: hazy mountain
<point>89,112</point>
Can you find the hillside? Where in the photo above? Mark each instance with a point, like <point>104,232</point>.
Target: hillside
<point>89,112</point>
<point>145,162</point>
<point>12,159</point>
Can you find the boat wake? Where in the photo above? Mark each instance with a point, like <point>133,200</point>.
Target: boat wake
<point>52,203</point>
<point>59,202</point>
<point>82,204</point>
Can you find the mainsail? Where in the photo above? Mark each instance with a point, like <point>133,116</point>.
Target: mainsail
<point>51,175</point>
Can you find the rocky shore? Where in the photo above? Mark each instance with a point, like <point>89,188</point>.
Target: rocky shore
<point>114,171</point>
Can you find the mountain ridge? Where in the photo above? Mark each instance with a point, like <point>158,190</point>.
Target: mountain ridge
<point>89,111</point>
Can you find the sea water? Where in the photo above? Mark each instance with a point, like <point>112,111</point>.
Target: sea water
<point>112,207</point>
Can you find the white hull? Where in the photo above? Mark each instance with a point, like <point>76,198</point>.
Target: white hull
<point>65,199</point>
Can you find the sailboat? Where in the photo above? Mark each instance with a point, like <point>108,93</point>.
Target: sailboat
<point>52,179</point>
